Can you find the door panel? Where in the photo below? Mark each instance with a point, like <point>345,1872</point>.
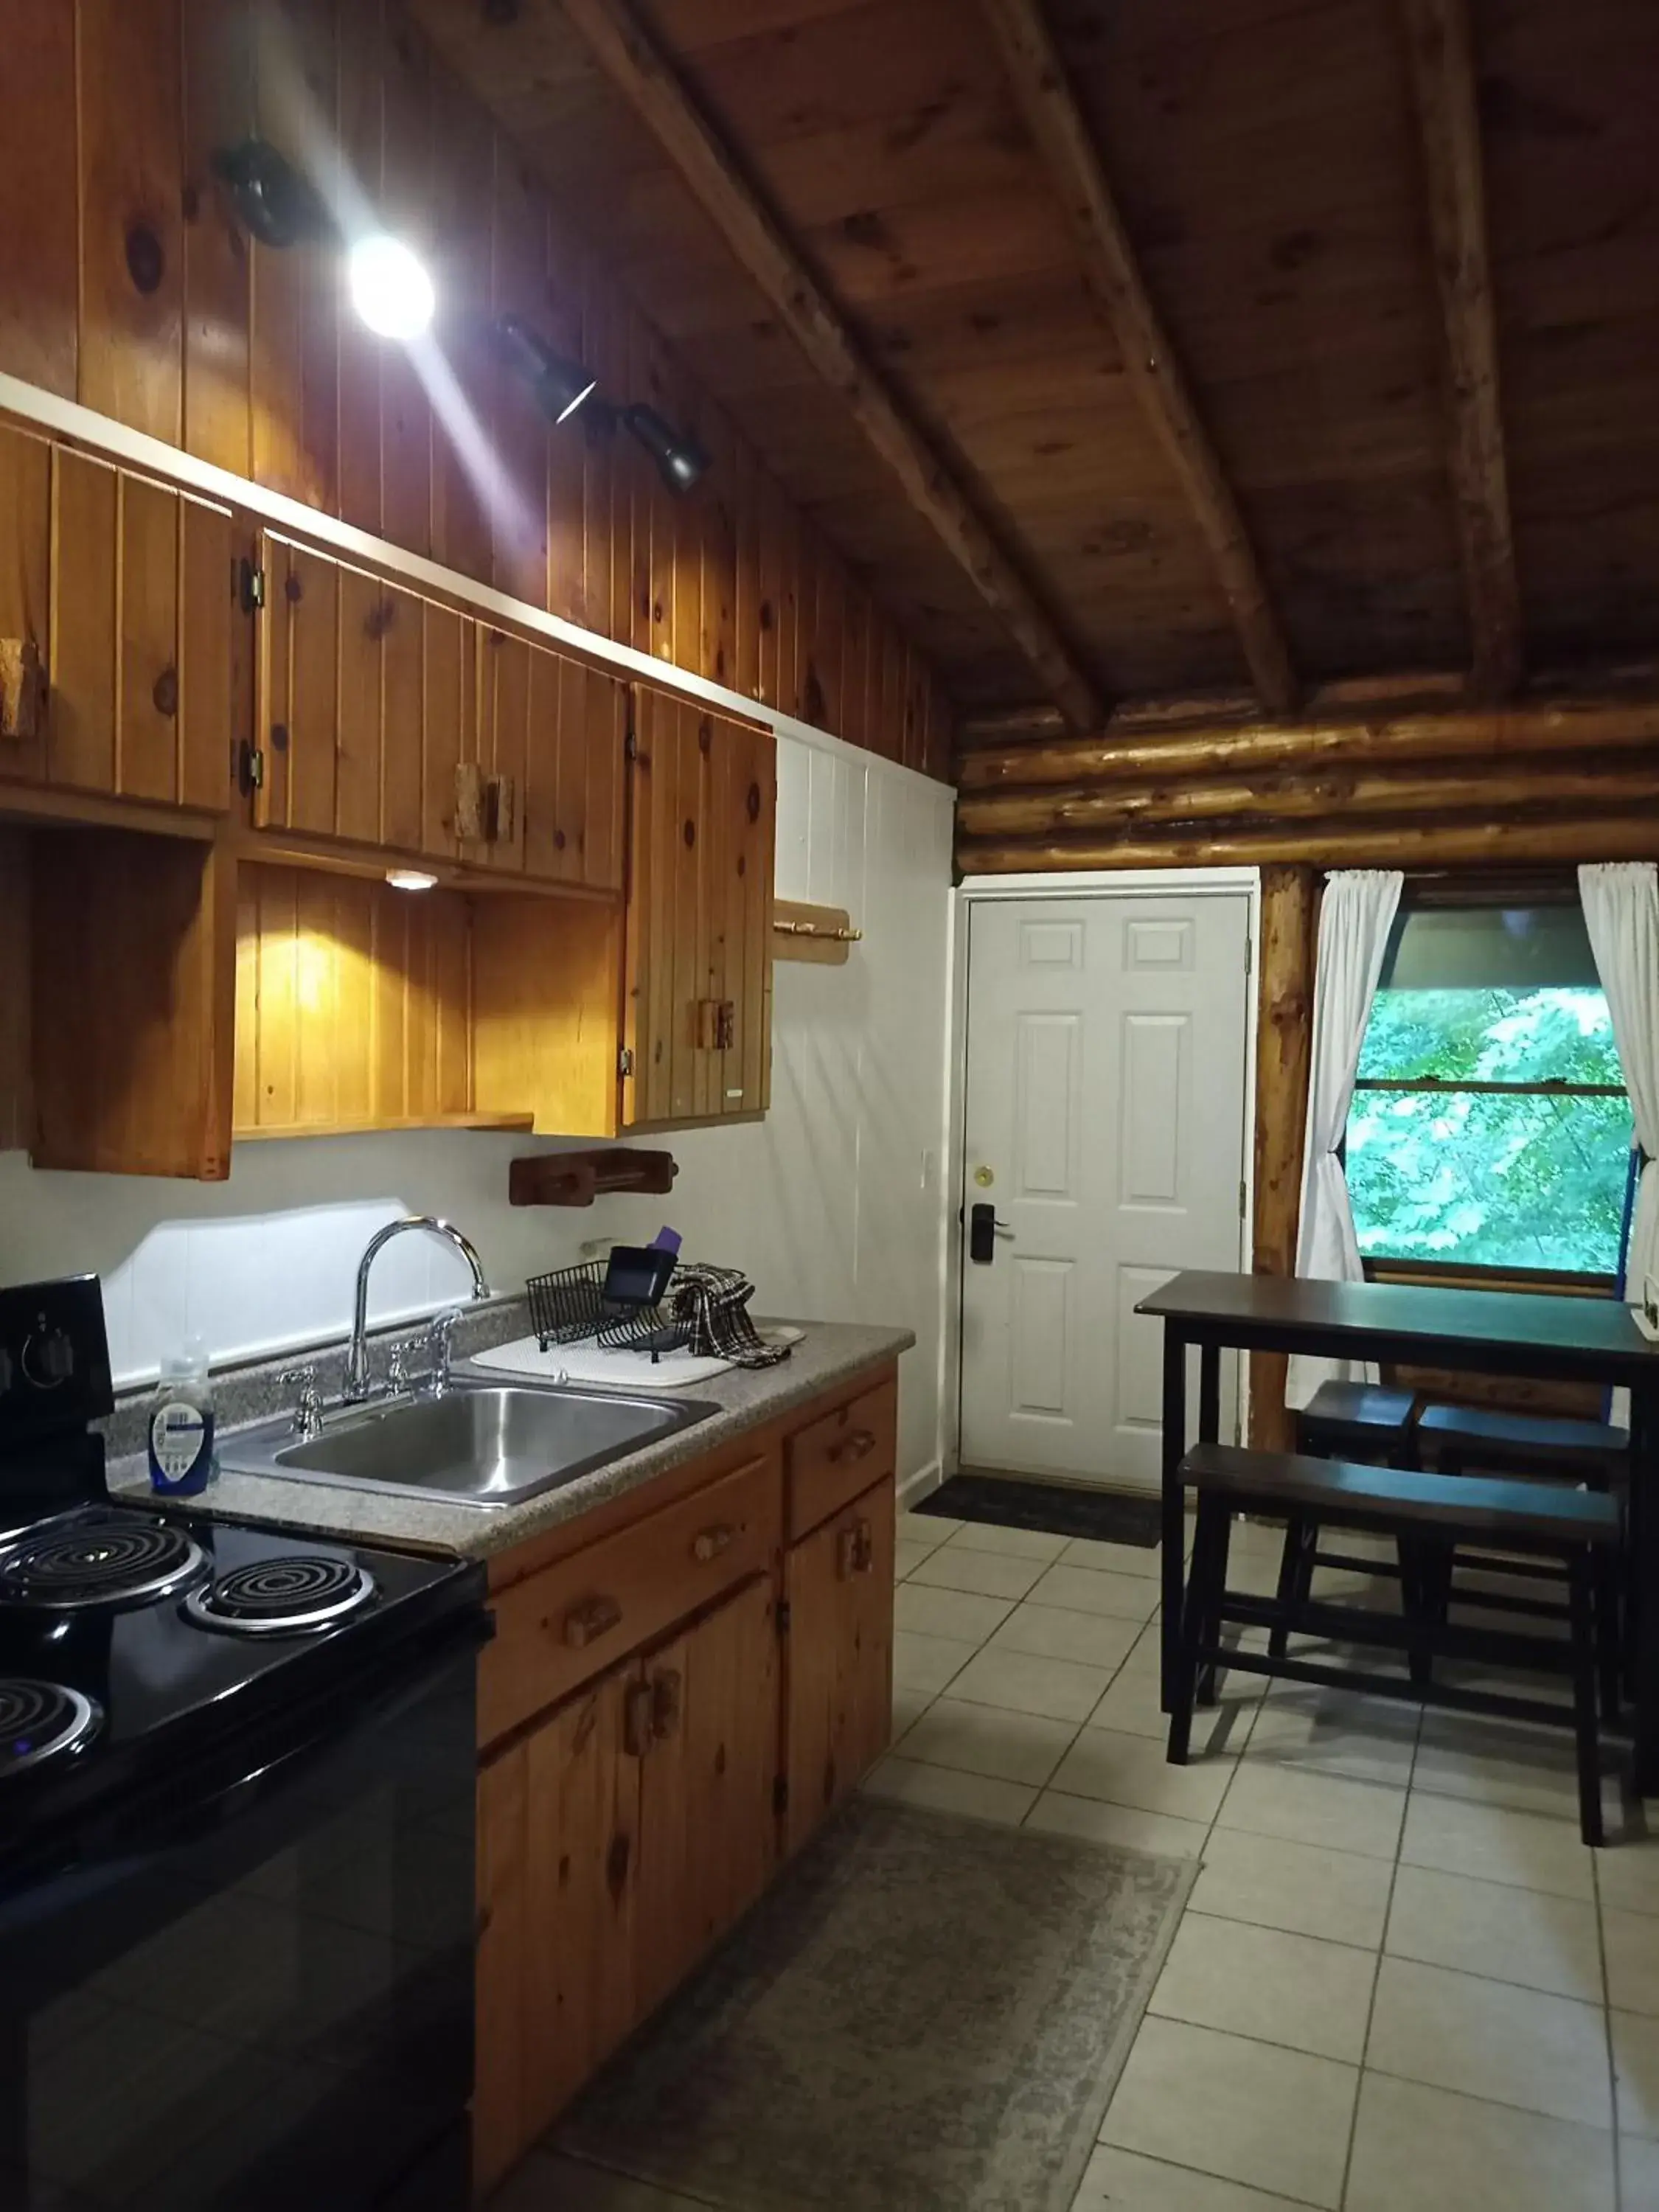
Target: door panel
<point>1105,1121</point>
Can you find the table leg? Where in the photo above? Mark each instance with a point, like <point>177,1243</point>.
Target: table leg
<point>1645,1573</point>
<point>1209,1393</point>
<point>1175,1451</point>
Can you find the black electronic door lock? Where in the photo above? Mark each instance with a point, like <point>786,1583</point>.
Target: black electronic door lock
<point>984,1229</point>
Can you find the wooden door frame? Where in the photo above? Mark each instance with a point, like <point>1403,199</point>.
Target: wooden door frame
<point>1086,883</point>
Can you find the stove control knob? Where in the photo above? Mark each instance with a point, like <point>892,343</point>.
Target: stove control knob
<point>48,1359</point>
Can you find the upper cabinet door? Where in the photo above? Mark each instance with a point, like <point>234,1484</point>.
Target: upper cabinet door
<point>365,706</point>
<point>697,1018</point>
<point>118,590</point>
<point>552,733</point>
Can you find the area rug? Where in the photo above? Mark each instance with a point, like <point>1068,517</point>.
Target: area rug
<point>927,2014</point>
<point>1057,1508</point>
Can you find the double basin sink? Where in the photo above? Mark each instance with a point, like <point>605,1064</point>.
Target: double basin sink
<point>481,1443</point>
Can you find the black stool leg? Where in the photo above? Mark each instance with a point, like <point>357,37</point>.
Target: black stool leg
<point>1583,1699</point>
<point>1194,1613</point>
<point>1607,1628</point>
<point>1215,1591</point>
<point>1300,1538</point>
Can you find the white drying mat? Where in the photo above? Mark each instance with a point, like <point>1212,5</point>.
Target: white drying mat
<point>588,1362</point>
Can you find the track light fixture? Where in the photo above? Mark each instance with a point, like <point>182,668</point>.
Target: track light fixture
<point>275,203</point>
<point>559,384</point>
<point>681,461</point>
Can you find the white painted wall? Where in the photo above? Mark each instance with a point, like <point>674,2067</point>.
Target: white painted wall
<point>834,1204</point>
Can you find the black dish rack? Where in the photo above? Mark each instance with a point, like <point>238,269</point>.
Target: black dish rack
<point>571,1302</point>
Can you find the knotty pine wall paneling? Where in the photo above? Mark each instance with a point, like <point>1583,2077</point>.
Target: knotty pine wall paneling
<point>126,283</point>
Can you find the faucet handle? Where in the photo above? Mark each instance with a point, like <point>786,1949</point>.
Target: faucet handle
<point>308,1414</point>
<point>440,1330</point>
<point>396,1371</point>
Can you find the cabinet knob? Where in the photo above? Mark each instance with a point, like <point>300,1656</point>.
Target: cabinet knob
<point>709,1543</point>
<point>846,1555</point>
<point>594,1618</point>
<point>865,1558</point>
<point>667,1703</point>
<point>859,1445</point>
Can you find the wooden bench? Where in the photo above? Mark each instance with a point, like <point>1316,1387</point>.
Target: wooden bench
<point>1427,1515</point>
<point>1461,1438</point>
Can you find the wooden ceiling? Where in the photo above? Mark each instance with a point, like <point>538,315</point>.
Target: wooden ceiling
<point>1399,261</point>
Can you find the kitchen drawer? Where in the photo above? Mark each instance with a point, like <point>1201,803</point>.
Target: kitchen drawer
<point>556,1629</point>
<point>839,1456</point>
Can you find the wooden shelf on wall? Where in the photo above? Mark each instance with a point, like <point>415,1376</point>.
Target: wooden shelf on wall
<point>824,934</point>
<point>578,1178</point>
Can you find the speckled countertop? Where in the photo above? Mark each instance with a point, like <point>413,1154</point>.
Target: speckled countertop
<point>828,1353</point>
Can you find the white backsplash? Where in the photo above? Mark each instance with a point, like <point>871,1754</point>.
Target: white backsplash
<point>833,1204</point>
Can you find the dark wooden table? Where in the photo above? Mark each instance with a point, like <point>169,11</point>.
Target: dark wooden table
<point>1482,1332</point>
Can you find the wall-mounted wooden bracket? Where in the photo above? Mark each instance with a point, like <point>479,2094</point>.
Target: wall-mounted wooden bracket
<point>22,688</point>
<point>578,1178</point>
<point>823,934</point>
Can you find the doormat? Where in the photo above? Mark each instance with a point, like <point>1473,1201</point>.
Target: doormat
<point>927,2014</point>
<point>1055,1508</point>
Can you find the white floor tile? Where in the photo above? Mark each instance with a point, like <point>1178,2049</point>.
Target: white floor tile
<point>1627,1874</point>
<point>1096,1822</point>
<point>1339,1895</point>
<point>927,1663</point>
<point>908,1706</point>
<point>1132,1770</point>
<point>907,1557</point>
<point>1426,2149</point>
<point>1276,2120</point>
<point>943,1790</point>
<point>1638,2173</point>
<point>1089,1589</point>
<point>1057,1688</point>
<point>988,1739</point>
<point>1636,2068</point>
<point>927,1527</point>
<point>1314,1808</point>
<point>1510,1935</point>
<point>1498,1763</point>
<point>990,1574</point>
<point>1014,1543</point>
<point>1131,1706</point>
<point>1121,2181</point>
<point>948,1612</point>
<point>1332,1732</point>
<point>1491,2040</point>
<point>1294,1990</point>
<point>1112,1559</point>
<point>1050,1632</point>
<point>1493,1843</point>
<point>1632,1940</point>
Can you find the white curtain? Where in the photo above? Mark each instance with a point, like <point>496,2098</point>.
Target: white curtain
<point>1355,917</point>
<point>1621,911</point>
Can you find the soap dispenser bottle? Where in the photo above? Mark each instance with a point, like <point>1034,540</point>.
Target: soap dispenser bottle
<point>181,1456</point>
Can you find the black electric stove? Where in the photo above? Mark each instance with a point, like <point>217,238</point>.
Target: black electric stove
<point>236,1855</point>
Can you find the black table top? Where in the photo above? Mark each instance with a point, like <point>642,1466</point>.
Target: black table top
<point>1501,1331</point>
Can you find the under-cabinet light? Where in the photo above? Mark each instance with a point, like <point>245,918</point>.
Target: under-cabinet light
<point>390,288</point>
<point>410,879</point>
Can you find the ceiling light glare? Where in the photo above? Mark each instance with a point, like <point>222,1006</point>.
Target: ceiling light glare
<point>390,289</point>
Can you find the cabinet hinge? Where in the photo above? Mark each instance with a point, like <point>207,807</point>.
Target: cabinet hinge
<point>624,1059</point>
<point>780,1794</point>
<point>251,589</point>
<point>250,767</point>
<point>631,740</point>
<point>783,1616</point>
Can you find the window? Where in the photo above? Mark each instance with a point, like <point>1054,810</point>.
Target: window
<point>1490,1126</point>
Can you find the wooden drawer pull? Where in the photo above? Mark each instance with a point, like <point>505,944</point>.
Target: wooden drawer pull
<point>846,1555</point>
<point>709,1543</point>
<point>859,1445</point>
<point>639,1715</point>
<point>866,1556</point>
<point>594,1618</point>
<point>667,1703</point>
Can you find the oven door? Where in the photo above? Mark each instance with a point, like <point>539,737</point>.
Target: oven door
<point>255,1988</point>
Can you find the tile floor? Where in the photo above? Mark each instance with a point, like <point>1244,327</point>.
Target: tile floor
<point>1401,1982</point>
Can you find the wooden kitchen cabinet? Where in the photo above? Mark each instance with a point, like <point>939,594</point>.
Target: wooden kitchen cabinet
<point>120,590</point>
<point>838,1689</point>
<point>552,733</point>
<point>697,1008</point>
<point>617,1841</point>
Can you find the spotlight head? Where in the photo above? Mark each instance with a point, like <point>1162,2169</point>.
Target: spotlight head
<point>275,204</point>
<point>559,384</point>
<point>389,288</point>
<point>681,461</point>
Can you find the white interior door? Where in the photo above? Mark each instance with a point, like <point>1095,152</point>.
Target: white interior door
<point>1104,1121</point>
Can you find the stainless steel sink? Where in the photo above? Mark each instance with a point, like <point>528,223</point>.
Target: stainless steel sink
<point>487,1445</point>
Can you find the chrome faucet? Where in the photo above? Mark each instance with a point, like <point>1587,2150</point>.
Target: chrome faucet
<point>357,1374</point>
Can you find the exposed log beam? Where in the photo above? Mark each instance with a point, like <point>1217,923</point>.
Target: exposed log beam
<point>1447,843</point>
<point>644,73</point>
<point>1442,54</point>
<point>1529,726</point>
<point>1343,695</point>
<point>1283,1045</point>
<point>1067,145</point>
<point>1577,785</point>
